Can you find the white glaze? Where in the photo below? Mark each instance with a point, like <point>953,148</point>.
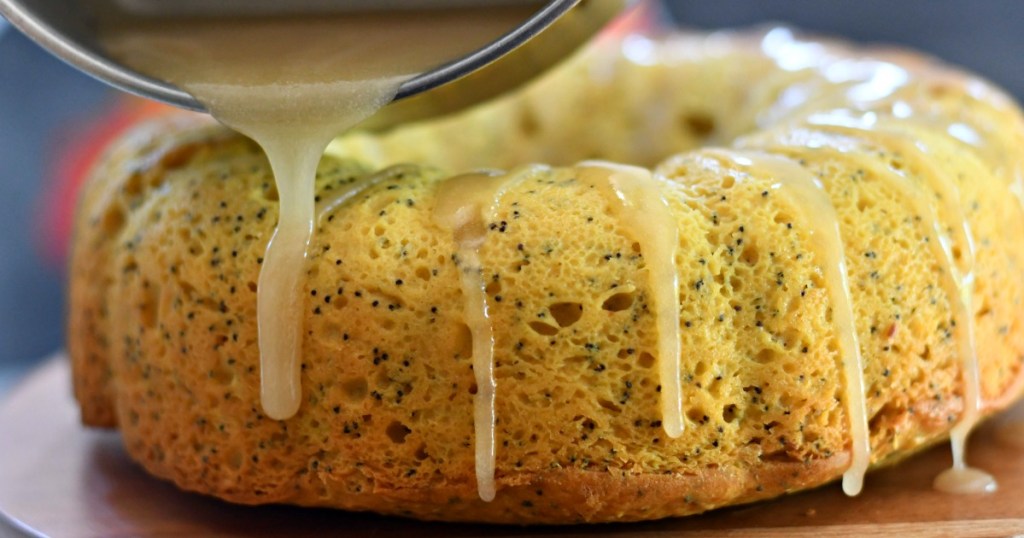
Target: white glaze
<point>465,205</point>
<point>959,283</point>
<point>808,196</point>
<point>293,84</point>
<point>635,196</point>
<point>964,481</point>
<point>294,151</point>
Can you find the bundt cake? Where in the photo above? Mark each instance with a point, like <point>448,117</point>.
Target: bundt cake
<point>812,264</point>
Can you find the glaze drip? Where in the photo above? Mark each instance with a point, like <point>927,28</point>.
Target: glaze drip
<point>959,271</point>
<point>809,196</point>
<point>294,154</point>
<point>635,197</point>
<point>465,204</point>
<point>293,84</point>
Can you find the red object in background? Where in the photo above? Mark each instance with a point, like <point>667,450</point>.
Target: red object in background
<point>71,166</point>
<point>645,17</point>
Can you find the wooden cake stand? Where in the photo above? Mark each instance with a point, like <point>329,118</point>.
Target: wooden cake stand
<point>60,479</point>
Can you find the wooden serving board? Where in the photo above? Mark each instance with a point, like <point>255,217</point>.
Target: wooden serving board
<point>60,479</point>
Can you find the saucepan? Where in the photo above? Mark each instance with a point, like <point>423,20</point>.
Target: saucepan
<point>67,28</point>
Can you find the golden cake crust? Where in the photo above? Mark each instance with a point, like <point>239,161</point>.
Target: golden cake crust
<point>171,231</point>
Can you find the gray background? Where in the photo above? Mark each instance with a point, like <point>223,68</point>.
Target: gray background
<point>40,97</point>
